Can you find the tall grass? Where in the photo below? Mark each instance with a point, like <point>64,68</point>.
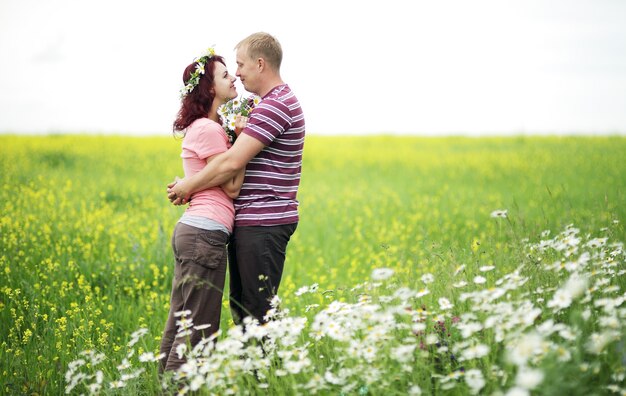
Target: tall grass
<point>85,261</point>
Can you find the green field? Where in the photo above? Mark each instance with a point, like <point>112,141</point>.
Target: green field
<point>470,303</point>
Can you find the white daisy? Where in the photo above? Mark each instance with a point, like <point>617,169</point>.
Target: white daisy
<point>445,304</point>
<point>499,213</point>
<point>428,278</point>
<point>479,280</point>
<point>379,274</point>
<point>528,378</point>
<point>474,379</point>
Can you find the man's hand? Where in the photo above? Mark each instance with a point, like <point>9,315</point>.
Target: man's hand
<point>176,192</point>
<point>240,123</point>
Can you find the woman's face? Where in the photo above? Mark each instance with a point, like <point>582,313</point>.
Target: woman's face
<point>223,83</point>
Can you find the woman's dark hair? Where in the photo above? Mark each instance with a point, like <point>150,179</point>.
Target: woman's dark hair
<point>196,104</point>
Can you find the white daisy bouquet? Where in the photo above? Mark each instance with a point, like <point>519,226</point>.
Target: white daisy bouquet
<point>231,109</point>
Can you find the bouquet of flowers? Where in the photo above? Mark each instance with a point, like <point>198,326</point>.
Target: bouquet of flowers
<point>231,109</point>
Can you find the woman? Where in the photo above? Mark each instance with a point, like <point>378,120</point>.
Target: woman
<point>200,236</point>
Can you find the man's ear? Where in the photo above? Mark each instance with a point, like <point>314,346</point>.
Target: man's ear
<point>260,64</point>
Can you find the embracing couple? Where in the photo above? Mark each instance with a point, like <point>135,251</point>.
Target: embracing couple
<point>242,194</point>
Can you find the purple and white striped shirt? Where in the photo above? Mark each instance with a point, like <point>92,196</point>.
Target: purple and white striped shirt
<point>268,193</point>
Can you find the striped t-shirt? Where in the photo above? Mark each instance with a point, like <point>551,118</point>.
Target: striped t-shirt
<point>268,193</point>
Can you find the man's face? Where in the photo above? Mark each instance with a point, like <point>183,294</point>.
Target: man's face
<point>246,70</point>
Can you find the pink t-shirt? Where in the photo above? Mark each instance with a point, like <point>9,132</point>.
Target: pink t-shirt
<point>205,138</point>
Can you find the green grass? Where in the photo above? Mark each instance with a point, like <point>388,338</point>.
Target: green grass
<point>86,260</point>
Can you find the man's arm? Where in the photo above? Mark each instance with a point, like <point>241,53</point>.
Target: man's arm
<point>233,186</point>
<point>220,169</point>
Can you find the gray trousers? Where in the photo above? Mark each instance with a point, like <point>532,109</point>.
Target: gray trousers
<point>197,287</point>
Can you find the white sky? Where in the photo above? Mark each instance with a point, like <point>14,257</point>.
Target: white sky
<point>424,67</point>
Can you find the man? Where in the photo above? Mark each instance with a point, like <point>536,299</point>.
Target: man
<point>266,211</point>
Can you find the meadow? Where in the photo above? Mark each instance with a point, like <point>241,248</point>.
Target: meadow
<point>420,266</point>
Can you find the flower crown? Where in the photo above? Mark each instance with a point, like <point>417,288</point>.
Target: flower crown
<point>194,80</point>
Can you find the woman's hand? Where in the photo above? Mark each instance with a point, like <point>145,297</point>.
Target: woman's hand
<point>177,193</point>
<point>240,123</point>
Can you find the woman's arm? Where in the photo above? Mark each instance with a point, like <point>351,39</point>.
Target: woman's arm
<point>233,186</point>
<point>219,170</point>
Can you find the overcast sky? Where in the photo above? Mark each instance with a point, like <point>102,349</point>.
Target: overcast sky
<point>423,67</point>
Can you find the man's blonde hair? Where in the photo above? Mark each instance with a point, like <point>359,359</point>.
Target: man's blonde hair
<point>263,45</point>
